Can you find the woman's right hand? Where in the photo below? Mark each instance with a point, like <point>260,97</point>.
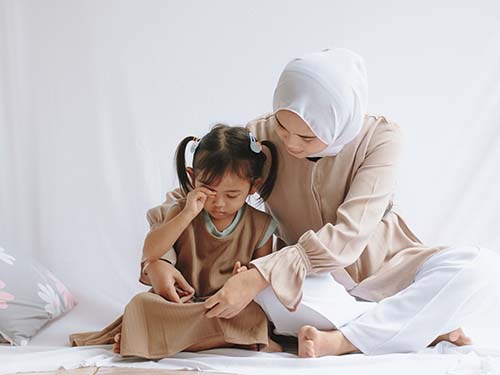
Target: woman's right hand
<point>168,282</point>
<point>196,199</point>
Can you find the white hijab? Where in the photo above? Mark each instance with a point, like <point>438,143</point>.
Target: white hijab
<point>328,90</point>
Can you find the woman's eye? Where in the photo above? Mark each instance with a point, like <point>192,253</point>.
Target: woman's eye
<point>232,196</point>
<point>281,127</point>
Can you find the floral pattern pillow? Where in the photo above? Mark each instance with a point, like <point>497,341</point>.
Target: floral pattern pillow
<point>30,296</point>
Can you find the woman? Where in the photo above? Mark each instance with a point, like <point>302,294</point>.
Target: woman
<point>350,275</point>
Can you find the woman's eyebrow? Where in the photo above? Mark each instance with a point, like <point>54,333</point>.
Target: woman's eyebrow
<point>301,136</point>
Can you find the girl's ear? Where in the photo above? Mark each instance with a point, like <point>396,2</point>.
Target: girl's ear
<point>255,186</point>
<point>190,173</point>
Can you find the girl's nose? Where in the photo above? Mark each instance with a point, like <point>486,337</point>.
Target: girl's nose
<point>218,201</point>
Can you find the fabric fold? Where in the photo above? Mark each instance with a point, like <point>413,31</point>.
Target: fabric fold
<point>286,269</point>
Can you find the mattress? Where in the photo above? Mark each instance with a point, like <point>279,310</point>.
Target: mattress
<point>50,351</point>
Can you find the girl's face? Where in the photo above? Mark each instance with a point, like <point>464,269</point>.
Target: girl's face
<point>298,138</point>
<point>231,194</point>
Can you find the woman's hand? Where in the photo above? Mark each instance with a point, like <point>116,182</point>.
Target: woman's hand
<point>195,200</point>
<point>235,295</point>
<point>168,282</point>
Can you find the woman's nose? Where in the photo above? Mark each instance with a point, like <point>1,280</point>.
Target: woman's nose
<point>293,142</point>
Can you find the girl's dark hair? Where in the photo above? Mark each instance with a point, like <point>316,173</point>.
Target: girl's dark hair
<point>227,149</point>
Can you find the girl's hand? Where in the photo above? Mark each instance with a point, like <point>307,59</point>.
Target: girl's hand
<point>235,295</point>
<point>238,268</point>
<point>169,283</point>
<point>196,199</point>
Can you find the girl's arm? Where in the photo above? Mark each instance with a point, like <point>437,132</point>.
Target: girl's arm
<point>260,252</point>
<point>159,240</point>
<point>163,237</point>
<point>264,250</point>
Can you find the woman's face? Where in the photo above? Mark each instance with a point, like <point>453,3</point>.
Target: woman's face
<point>298,138</point>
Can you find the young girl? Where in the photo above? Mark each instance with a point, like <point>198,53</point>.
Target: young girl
<point>212,233</point>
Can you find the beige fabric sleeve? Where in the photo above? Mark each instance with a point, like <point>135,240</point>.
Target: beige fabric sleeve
<point>335,247</point>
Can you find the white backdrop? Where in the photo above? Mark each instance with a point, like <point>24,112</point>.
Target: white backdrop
<point>95,95</point>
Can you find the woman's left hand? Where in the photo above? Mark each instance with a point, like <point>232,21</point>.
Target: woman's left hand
<point>235,295</point>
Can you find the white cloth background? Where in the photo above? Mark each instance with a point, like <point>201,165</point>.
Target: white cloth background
<point>95,95</point>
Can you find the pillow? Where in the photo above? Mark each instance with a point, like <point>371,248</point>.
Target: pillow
<point>30,296</point>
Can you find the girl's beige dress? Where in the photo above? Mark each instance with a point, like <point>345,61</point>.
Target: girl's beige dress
<point>152,327</point>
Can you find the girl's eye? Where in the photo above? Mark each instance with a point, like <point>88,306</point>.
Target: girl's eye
<point>307,139</point>
<point>232,196</point>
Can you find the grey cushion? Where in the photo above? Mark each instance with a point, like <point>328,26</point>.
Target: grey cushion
<point>30,296</point>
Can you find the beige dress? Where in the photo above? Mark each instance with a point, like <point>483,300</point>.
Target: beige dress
<point>153,327</point>
<point>336,214</point>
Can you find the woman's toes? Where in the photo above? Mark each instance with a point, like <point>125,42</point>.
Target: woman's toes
<point>307,338</point>
<point>309,349</point>
<point>455,335</point>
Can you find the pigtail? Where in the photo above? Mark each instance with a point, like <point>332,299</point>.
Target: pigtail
<point>267,187</point>
<point>180,163</point>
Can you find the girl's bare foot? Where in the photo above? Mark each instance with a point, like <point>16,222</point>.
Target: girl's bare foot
<point>457,337</point>
<point>315,343</point>
<point>116,345</point>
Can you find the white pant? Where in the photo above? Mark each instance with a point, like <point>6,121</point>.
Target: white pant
<point>449,287</point>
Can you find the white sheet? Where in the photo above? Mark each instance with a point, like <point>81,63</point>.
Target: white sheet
<point>49,350</point>
<point>443,359</point>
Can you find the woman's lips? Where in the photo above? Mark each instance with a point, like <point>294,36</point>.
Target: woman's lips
<point>294,152</point>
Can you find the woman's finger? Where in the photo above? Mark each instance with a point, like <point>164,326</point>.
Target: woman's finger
<point>215,312</point>
<point>212,301</point>
<point>227,314</point>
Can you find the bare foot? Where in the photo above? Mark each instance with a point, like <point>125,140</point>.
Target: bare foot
<point>456,337</point>
<point>315,343</point>
<point>116,345</point>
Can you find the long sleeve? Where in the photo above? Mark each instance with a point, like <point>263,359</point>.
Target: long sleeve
<point>336,246</point>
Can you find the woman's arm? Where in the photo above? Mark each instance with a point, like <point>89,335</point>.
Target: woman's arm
<point>336,246</point>
<point>333,247</point>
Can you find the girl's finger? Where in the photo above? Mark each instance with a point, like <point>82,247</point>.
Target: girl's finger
<point>186,298</point>
<point>183,284</point>
<point>206,191</point>
<point>172,294</point>
<point>241,269</point>
<point>236,267</point>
